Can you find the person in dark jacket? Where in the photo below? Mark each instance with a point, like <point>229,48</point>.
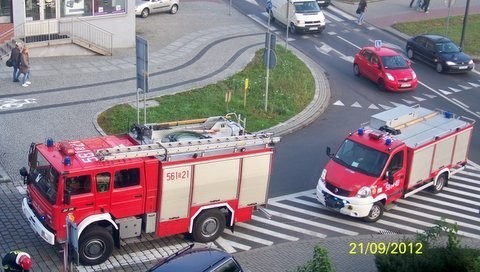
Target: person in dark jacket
<point>362,8</point>
<point>425,5</point>
<point>15,58</point>
<point>16,261</point>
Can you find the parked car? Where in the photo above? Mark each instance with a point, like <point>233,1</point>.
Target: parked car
<point>182,135</point>
<point>196,258</point>
<point>386,67</point>
<point>143,8</point>
<point>439,52</point>
<point>324,3</point>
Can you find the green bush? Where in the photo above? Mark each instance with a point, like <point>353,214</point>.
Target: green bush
<point>434,256</point>
<point>320,262</point>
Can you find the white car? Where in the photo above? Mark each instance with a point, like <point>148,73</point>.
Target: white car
<point>143,8</point>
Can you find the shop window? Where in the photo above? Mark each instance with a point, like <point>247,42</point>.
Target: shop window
<point>102,7</point>
<point>76,8</point>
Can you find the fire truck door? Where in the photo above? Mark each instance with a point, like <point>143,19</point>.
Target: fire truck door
<point>396,169</point>
<point>128,197</point>
<point>81,197</point>
<point>103,190</point>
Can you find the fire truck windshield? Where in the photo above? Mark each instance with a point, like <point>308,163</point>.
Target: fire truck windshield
<point>44,177</point>
<point>361,158</point>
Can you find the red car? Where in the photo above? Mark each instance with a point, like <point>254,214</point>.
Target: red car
<point>384,66</point>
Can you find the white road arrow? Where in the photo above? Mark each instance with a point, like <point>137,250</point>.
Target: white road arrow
<point>326,49</point>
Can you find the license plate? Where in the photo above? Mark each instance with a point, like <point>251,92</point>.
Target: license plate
<point>313,28</point>
<point>463,67</point>
<point>405,85</point>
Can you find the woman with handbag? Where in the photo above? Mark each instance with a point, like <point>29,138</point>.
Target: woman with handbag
<point>25,67</point>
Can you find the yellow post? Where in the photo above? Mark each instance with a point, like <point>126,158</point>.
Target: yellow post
<point>245,93</point>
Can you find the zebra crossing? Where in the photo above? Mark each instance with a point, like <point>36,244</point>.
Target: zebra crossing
<point>299,216</point>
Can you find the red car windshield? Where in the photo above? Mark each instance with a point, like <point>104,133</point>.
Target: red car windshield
<point>394,62</point>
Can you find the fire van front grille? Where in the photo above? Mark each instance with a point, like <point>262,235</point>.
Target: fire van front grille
<point>336,190</point>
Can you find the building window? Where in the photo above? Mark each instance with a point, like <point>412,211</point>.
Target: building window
<point>102,7</point>
<point>91,7</point>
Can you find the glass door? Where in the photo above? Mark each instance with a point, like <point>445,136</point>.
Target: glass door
<point>40,9</point>
<point>5,11</point>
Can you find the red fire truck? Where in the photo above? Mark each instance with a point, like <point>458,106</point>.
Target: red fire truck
<point>121,186</point>
<point>399,152</point>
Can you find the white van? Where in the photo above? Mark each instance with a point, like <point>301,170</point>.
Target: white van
<point>304,15</point>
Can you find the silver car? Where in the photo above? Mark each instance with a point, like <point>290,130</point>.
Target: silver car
<point>143,8</point>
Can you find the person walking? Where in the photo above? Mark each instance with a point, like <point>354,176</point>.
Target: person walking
<point>25,67</point>
<point>15,58</point>
<point>362,8</point>
<point>16,261</point>
<point>425,5</point>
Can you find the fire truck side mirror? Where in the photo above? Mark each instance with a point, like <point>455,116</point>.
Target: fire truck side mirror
<point>66,197</point>
<point>389,177</point>
<point>24,174</point>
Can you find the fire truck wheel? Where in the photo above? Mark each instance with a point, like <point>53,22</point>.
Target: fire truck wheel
<point>208,226</point>
<point>95,246</point>
<point>375,213</point>
<point>441,181</point>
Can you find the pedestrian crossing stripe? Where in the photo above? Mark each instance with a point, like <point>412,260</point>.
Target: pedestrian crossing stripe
<point>455,89</point>
<point>301,214</point>
<point>464,87</point>
<point>474,84</point>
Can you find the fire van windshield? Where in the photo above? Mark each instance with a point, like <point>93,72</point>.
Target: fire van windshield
<point>361,158</point>
<point>44,177</point>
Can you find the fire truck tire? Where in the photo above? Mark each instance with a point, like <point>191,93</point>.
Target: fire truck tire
<point>208,226</point>
<point>375,213</point>
<point>95,246</point>
<point>441,181</point>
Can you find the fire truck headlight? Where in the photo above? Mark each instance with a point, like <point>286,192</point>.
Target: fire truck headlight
<point>364,192</point>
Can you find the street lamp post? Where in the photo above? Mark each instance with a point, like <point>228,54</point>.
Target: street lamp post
<point>464,24</point>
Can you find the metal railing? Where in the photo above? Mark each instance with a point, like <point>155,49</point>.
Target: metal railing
<point>74,30</point>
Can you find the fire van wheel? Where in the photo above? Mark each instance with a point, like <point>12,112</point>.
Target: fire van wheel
<point>208,226</point>
<point>95,246</point>
<point>375,213</point>
<point>441,181</point>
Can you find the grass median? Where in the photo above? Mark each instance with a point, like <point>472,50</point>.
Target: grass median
<point>455,25</point>
<point>291,89</point>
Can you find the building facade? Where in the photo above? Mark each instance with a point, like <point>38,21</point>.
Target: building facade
<point>46,17</point>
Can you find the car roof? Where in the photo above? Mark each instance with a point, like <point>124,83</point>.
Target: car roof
<point>436,38</point>
<point>382,51</point>
<point>192,258</point>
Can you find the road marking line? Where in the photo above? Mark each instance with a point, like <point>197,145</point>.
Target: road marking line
<point>308,222</point>
<point>435,209</point>
<point>399,227</point>
<point>228,245</point>
<point>423,223</point>
<point>467,180</point>
<point>248,237</point>
<point>441,202</point>
<point>288,227</point>
<point>334,219</point>
<point>446,98</point>
<point>267,232</point>
<point>460,192</point>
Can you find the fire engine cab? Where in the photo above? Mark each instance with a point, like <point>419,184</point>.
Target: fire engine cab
<point>399,152</point>
<point>121,186</point>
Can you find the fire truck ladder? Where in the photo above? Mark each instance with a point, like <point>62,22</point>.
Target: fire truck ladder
<point>185,147</point>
